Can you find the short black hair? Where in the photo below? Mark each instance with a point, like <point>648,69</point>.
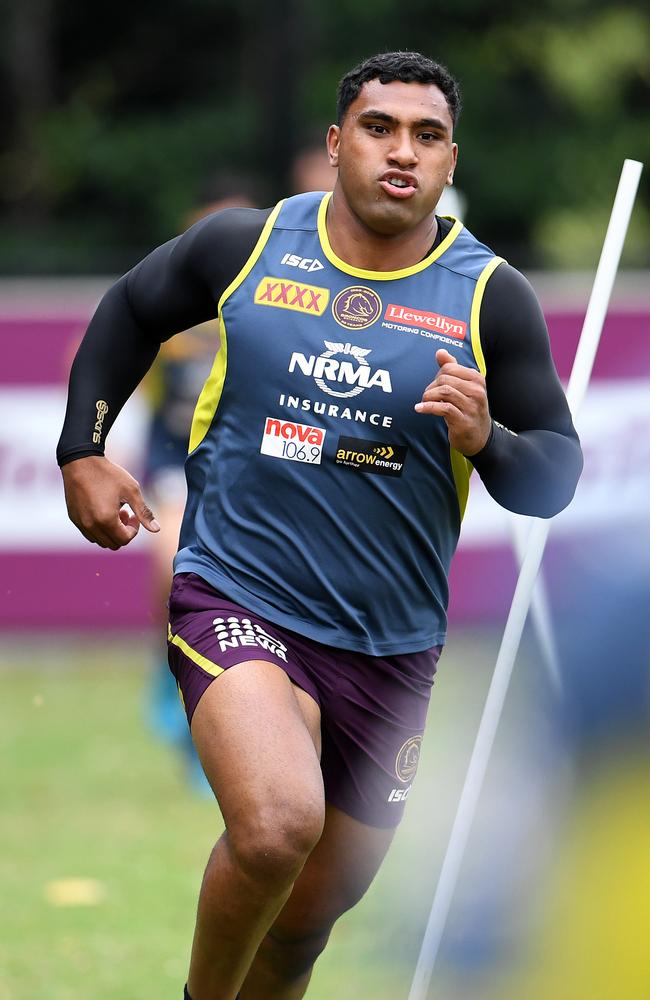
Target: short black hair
<point>407,67</point>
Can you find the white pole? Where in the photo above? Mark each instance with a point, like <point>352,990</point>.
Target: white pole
<point>578,383</point>
<point>539,608</point>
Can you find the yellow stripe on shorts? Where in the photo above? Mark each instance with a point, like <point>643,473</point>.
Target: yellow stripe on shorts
<point>198,658</point>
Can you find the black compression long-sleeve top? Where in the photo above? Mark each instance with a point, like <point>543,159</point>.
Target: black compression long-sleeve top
<point>532,460</point>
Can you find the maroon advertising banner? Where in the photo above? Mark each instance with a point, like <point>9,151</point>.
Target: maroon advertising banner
<point>53,579</point>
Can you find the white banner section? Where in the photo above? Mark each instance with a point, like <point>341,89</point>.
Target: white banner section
<point>32,507</point>
<point>615,486</point>
<point>614,429</point>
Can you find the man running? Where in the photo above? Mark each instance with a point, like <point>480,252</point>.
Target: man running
<point>371,354</point>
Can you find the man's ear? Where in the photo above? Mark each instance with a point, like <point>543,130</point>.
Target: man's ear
<point>454,153</point>
<point>333,140</point>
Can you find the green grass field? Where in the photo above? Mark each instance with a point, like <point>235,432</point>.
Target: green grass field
<point>87,793</point>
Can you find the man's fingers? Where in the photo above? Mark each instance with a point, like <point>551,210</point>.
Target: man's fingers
<point>144,514</point>
<point>129,532</point>
<point>473,388</point>
<point>450,394</point>
<point>458,373</point>
<point>95,492</point>
<point>104,539</point>
<point>116,537</point>
<point>147,518</point>
<point>441,408</point>
<point>461,372</point>
<point>110,532</point>
<point>448,365</point>
<point>127,517</point>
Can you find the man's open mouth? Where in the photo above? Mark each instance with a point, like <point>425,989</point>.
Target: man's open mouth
<point>399,184</point>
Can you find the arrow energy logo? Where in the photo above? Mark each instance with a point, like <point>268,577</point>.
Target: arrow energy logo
<point>371,456</point>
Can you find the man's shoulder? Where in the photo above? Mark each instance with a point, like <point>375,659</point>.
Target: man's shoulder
<point>230,224</point>
<point>216,247</point>
<point>512,284</point>
<point>462,252</point>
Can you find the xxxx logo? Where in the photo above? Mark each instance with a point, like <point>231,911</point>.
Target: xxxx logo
<point>386,452</point>
<point>290,295</point>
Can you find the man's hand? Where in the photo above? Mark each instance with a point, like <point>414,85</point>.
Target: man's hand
<point>458,395</point>
<point>95,493</point>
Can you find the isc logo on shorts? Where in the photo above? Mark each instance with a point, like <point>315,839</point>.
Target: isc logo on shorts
<point>399,794</point>
<point>232,632</point>
<point>308,299</point>
<point>291,441</point>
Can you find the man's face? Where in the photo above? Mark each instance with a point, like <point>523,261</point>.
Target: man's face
<point>395,154</point>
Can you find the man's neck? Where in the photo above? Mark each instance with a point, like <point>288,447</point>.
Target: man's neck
<point>361,247</point>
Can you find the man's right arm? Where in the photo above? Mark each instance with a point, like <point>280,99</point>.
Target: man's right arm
<point>176,287</point>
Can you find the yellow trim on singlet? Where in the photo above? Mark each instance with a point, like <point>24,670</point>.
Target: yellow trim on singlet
<point>462,467</point>
<point>360,272</point>
<point>198,658</point>
<point>474,325</point>
<point>208,401</point>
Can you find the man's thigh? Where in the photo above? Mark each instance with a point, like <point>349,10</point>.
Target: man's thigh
<point>254,715</point>
<point>257,738</point>
<point>336,875</point>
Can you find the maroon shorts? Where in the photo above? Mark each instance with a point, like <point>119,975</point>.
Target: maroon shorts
<point>373,708</point>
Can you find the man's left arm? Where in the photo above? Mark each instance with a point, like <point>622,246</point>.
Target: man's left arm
<point>514,425</point>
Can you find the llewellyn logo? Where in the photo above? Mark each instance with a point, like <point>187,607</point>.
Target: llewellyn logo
<point>371,456</point>
<point>288,295</point>
<point>102,410</point>
<point>356,308</point>
<point>354,370</point>
<point>427,320</point>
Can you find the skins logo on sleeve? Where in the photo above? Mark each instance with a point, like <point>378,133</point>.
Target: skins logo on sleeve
<point>102,410</point>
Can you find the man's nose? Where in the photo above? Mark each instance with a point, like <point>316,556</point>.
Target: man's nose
<point>403,151</point>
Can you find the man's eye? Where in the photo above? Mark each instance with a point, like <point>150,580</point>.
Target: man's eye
<point>428,136</point>
<point>377,129</point>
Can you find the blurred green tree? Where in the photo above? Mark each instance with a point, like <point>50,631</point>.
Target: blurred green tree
<point>114,114</point>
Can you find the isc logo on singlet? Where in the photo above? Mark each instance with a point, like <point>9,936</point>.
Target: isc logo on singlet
<point>304,263</point>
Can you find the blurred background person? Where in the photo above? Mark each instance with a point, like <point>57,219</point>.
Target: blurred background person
<point>310,168</point>
<point>173,386</point>
<point>591,922</point>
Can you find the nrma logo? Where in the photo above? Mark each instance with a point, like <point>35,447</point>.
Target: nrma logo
<point>352,369</point>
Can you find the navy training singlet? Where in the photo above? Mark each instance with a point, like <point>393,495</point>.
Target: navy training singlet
<point>317,496</point>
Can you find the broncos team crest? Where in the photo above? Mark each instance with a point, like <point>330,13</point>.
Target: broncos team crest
<point>356,308</point>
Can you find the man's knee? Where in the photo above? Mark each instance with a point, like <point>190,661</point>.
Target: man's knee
<point>291,956</point>
<point>273,845</point>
